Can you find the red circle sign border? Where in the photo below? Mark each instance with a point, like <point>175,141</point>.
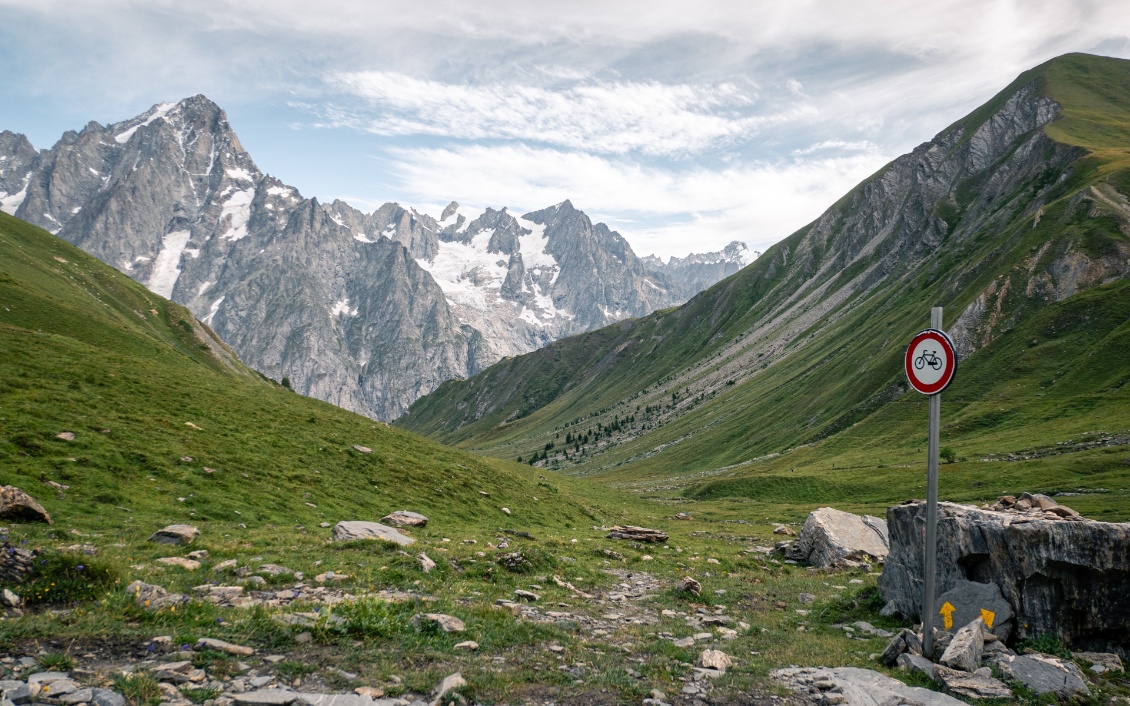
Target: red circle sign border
<point>951,361</point>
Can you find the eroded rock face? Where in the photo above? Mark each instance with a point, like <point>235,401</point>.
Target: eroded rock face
<point>831,537</point>
<point>1065,578</point>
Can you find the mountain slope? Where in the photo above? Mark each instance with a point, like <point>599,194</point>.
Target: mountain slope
<point>1016,232</point>
<point>169,426</point>
<point>367,311</point>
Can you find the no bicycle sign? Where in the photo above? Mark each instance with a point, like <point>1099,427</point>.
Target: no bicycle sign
<point>930,361</point>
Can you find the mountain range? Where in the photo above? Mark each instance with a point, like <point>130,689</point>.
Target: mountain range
<point>367,311</point>
<point>1015,219</point>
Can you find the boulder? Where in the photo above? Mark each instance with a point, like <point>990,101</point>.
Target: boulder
<point>1044,675</point>
<point>969,600</point>
<point>446,623</point>
<point>916,664</point>
<point>154,597</point>
<point>1101,662</point>
<point>864,687</point>
<point>180,561</point>
<point>210,643</point>
<point>831,537</point>
<point>973,686</point>
<point>15,563</point>
<point>638,534</point>
<point>449,683</point>
<point>964,651</point>
<point>688,585</point>
<point>348,531</point>
<point>426,564</point>
<point>18,506</point>
<point>1069,579</point>
<point>715,659</point>
<point>404,518</point>
<point>175,534</point>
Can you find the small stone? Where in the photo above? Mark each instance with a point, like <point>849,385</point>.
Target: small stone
<point>528,596</point>
<point>363,449</point>
<point>783,530</point>
<point>187,564</point>
<point>506,511</point>
<point>684,642</point>
<point>446,623</point>
<point>209,643</point>
<point>688,585</point>
<point>105,697</point>
<point>175,534</point>
<point>805,598</point>
<point>715,659</point>
<point>304,637</point>
<point>404,518</point>
<point>10,598</point>
<point>425,563</point>
<point>449,683</point>
<point>225,565</point>
<point>373,692</point>
<point>470,645</point>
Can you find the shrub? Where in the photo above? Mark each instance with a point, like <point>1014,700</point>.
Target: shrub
<point>948,455</point>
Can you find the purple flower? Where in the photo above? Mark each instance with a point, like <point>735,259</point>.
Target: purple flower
<point>80,567</point>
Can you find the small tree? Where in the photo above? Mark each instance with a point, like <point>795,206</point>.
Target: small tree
<point>948,455</point>
<point>286,383</point>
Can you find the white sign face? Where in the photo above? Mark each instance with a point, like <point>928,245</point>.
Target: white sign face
<point>929,361</point>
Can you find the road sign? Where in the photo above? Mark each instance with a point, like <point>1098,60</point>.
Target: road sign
<point>930,361</point>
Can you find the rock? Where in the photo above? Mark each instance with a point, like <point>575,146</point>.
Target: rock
<point>684,642</point>
<point>15,563</point>
<point>506,511</point>
<point>154,597</point>
<point>18,506</point>
<point>363,449</point>
<point>15,691</point>
<point>209,643</point>
<point>806,598</point>
<point>688,585</point>
<point>274,570</point>
<point>862,687</point>
<point>682,516</point>
<point>10,599</point>
<point>1101,662</point>
<point>55,688</point>
<point>78,696</point>
<point>180,561</point>
<point>1039,564</point>
<point>715,659</point>
<point>513,561</point>
<point>1044,675</point>
<point>528,596</point>
<point>348,531</point>
<point>970,600</point>
<point>337,699</point>
<point>895,648</point>
<point>974,686</point>
<point>266,697</point>
<point>637,534</point>
<point>784,530</point>
<point>868,629</point>
<point>916,663</point>
<point>225,565</point>
<point>449,683</point>
<point>831,537</point>
<point>105,697</point>
<point>469,645</point>
<point>175,534</point>
<point>964,651</point>
<point>425,563</point>
<point>446,623</point>
<point>404,518</point>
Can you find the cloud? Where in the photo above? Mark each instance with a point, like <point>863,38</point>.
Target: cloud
<point>659,210</point>
<point>607,117</point>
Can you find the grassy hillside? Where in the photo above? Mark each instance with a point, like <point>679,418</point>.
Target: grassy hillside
<point>724,384</point>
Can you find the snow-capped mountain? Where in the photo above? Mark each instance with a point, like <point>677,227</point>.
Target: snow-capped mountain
<point>364,310</point>
<point>697,271</point>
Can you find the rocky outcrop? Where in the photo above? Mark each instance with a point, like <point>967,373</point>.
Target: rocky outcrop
<point>18,506</point>
<point>175,534</point>
<point>852,686</point>
<point>831,537</point>
<point>348,531</point>
<point>697,271</point>
<point>1065,578</point>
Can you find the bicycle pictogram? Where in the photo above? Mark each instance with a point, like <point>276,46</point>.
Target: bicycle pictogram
<point>930,358</point>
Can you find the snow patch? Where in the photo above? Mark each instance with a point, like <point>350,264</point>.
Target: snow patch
<point>465,272</point>
<point>76,209</point>
<point>194,252</point>
<point>203,288</point>
<point>358,235</point>
<point>237,173</point>
<point>212,311</point>
<point>533,248</point>
<point>166,269</point>
<point>342,307</point>
<point>158,113</point>
<point>284,191</point>
<point>9,204</point>
<point>238,208</point>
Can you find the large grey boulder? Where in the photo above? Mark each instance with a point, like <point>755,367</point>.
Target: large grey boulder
<point>1066,578</point>
<point>347,531</point>
<point>1043,674</point>
<point>968,600</point>
<point>175,534</point>
<point>964,651</point>
<point>859,687</point>
<point>831,537</point>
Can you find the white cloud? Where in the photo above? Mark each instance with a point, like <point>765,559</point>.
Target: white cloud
<point>607,117</point>
<point>658,210</point>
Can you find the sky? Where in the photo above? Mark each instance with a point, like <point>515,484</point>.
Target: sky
<point>684,126</point>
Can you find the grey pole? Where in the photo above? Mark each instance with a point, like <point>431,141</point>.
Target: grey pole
<point>931,510</point>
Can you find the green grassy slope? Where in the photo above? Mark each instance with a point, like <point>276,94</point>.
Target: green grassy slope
<point>153,399</point>
<point>1053,372</point>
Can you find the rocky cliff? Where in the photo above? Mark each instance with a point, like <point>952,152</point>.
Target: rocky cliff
<point>365,310</point>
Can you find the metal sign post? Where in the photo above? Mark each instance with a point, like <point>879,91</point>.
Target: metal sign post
<point>930,366</point>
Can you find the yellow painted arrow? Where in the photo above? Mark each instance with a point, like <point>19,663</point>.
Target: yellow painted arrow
<point>988,616</point>
<point>947,614</point>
